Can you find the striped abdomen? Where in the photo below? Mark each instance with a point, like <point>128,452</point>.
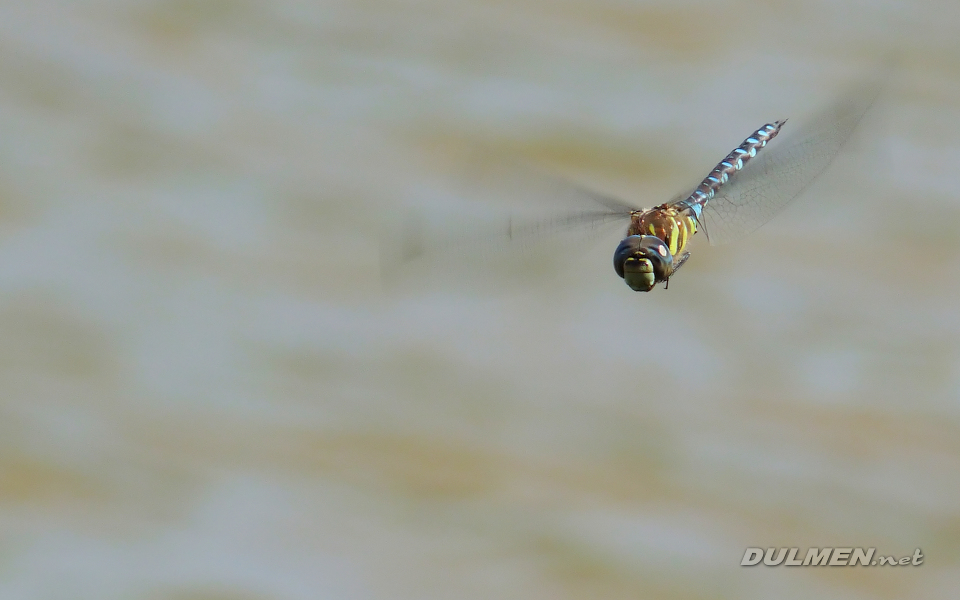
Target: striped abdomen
<point>729,166</point>
<point>676,223</point>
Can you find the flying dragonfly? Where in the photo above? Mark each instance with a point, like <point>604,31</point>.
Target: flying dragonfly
<point>654,249</point>
<point>746,189</point>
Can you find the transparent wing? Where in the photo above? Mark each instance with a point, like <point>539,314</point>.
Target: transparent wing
<point>422,235</point>
<point>782,170</point>
<point>552,220</point>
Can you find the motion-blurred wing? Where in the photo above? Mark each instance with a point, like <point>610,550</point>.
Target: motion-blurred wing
<point>556,220</point>
<point>424,235</point>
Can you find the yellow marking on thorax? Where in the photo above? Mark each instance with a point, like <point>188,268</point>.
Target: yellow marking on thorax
<point>684,227</point>
<point>690,226</point>
<point>684,234</point>
<point>674,235</point>
<point>671,226</point>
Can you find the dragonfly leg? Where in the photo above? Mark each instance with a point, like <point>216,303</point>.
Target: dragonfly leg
<point>683,259</point>
<point>676,267</point>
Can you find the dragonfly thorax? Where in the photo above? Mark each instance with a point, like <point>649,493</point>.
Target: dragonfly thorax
<point>643,261</point>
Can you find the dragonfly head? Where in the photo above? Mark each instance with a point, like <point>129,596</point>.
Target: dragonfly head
<point>642,261</point>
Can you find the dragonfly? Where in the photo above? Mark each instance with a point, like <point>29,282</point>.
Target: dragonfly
<point>745,190</point>
<point>655,246</point>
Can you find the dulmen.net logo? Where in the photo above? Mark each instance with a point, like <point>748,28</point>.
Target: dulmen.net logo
<point>826,557</point>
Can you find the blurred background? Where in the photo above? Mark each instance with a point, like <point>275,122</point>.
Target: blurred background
<point>206,393</point>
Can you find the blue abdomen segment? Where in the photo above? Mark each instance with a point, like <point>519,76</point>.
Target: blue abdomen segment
<point>728,167</point>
